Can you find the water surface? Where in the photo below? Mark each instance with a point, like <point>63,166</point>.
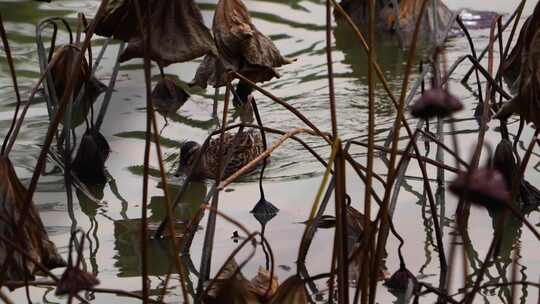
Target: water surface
<point>297,28</point>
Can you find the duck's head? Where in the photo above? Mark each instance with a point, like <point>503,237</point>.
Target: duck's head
<point>187,152</point>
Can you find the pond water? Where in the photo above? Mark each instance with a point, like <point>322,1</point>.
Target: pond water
<point>293,176</point>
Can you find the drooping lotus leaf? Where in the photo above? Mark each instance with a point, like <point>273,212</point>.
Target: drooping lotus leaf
<point>120,20</point>
<point>168,96</point>
<point>61,74</point>
<point>177,33</point>
<point>526,103</point>
<point>35,239</point>
<point>231,287</point>
<point>210,72</point>
<point>264,284</point>
<point>291,290</point>
<point>89,163</point>
<point>242,48</point>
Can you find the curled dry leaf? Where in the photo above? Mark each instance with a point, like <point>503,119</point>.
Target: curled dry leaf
<point>522,70</point>
<point>401,279</point>
<point>168,96</point>
<point>291,290</point>
<point>210,72</point>
<point>264,285</point>
<point>177,33</point>
<point>61,74</point>
<point>119,20</point>
<point>35,239</point>
<point>242,48</point>
<point>89,163</point>
<point>231,287</point>
<point>504,161</point>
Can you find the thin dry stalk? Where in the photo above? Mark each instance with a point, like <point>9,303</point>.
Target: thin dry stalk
<point>151,124</point>
<point>371,138</point>
<point>206,258</point>
<point>11,65</point>
<point>391,170</point>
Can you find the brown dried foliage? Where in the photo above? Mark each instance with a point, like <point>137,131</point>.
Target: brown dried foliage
<point>177,32</point>
<point>35,240</point>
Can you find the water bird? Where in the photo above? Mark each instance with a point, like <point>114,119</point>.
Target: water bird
<point>246,147</point>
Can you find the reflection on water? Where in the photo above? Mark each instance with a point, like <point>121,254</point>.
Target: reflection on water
<point>160,259</point>
<point>298,29</point>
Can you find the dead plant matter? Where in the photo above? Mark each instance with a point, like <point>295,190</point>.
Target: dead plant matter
<point>177,30</point>
<point>34,238</point>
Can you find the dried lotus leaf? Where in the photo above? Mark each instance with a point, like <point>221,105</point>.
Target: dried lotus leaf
<point>120,20</point>
<point>291,290</point>
<point>61,74</point>
<point>168,96</point>
<point>177,34</point>
<point>241,46</point>
<point>89,162</point>
<point>527,101</point>
<point>35,239</point>
<point>263,284</point>
<point>231,287</point>
<point>210,72</point>
<point>61,71</point>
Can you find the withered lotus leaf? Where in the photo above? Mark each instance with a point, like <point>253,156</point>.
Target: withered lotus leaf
<point>513,64</point>
<point>210,72</point>
<point>35,239</point>
<point>263,284</point>
<point>401,279</point>
<point>168,96</point>
<point>504,161</point>
<point>120,20</point>
<point>231,287</point>
<point>177,33</point>
<point>525,56</point>
<point>242,48</point>
<point>61,74</point>
<point>291,290</point>
<point>89,162</point>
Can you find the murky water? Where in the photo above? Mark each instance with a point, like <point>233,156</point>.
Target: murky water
<point>297,28</point>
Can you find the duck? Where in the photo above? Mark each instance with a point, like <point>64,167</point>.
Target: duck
<point>249,147</point>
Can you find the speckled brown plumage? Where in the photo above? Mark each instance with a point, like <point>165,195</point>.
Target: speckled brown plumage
<point>248,148</point>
